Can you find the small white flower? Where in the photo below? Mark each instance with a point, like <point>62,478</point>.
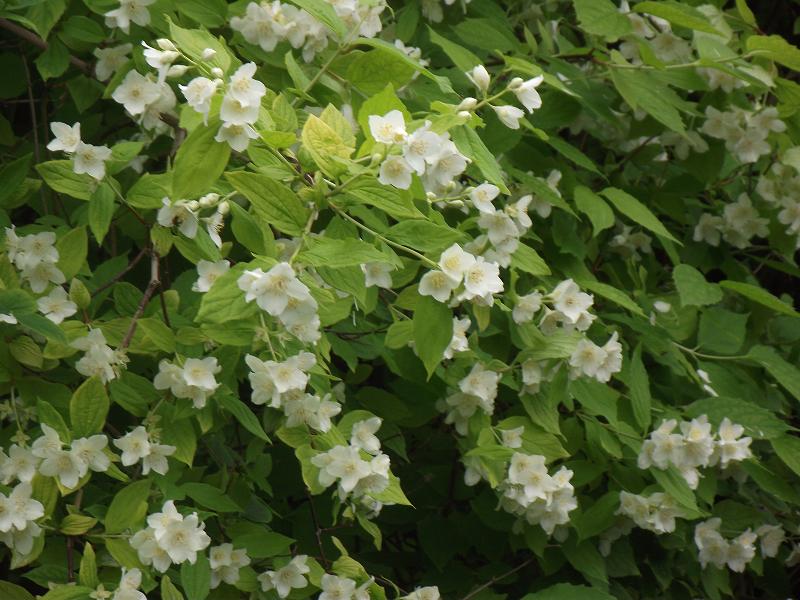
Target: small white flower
<point>509,115</point>
<point>526,307</point>
<point>455,262</point>
<point>135,92</point>
<point>395,171</point>
<point>378,275</point>
<point>244,88</point>
<point>90,451</point>
<point>178,213</point>
<point>135,446</point>
<point>225,564</point>
<point>438,285</point>
<point>527,95</point>
<point>56,306</point>
<point>235,112</point>
<point>129,11</point>
<point>110,59</point>
<point>237,136</point>
<point>363,435</point>
<point>66,466</point>
<point>66,138</point>
<point>422,148</point>
<point>91,160</point>
<point>208,272</point>
<point>482,197</point>
<point>512,438</point>
<point>388,129</point>
<point>482,279</point>
<point>479,76</point>
<point>285,579</point>
<point>198,93</point>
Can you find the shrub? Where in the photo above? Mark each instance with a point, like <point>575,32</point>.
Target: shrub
<point>347,300</point>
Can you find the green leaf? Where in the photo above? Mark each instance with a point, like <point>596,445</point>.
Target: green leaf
<point>424,235</point>
<point>367,190</point>
<point>693,288</point>
<point>399,334</point>
<point>371,71</point>
<point>101,210</point>
<point>677,13</point>
<point>168,590</point>
<point>758,421</point>
<point>433,330</point>
<point>675,485</point>
<point>72,249</point>
<point>787,374</point>
<point>193,42</point>
<point>196,578</point>
<point>611,293</point>
<point>333,253</point>
<point>462,58</point>
<point>598,517</point>
<point>471,145</point>
<point>51,417</point>
<point>158,333</point>
<point>199,163</point>
<point>273,201</point>
<point>636,212</point>
<point>243,414</point>
<point>601,17</point>
<point>721,330</point>
<point>767,481</point>
<point>54,61</point>
<point>68,592</point>
<point>88,408</point>
<point>568,591</point>
<point>787,447</point>
<point>128,508</point>
<point>759,295</point>
<point>325,146</point>
<point>775,48</point>
<point>639,386</point>
<point>527,259</point>
<point>87,574</point>
<point>76,524</point>
<point>210,497</point>
<point>745,13</point>
<point>59,176</point>
<point>13,176</point>
<point>642,90</point>
<point>485,34</point>
<point>123,553</point>
<point>586,559</point>
<point>247,230</point>
<point>210,13</point>
<point>225,301</point>
<point>263,543</point>
<point>43,326</point>
<point>571,153</point>
<point>594,207</point>
<point>149,190</point>
<point>11,591</point>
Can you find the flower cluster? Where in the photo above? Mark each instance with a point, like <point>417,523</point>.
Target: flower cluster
<point>195,379</point>
<point>18,514</point>
<point>503,227</point>
<point>35,256</point>
<point>744,132</point>
<point>343,588</point>
<point>780,186</point>
<point>529,491</point>
<point>477,390</point>
<point>185,214</point>
<point>360,469</point>
<point>170,538</point>
<point>432,156</point>
<point>568,307</point>
<point>225,562</point>
<point>601,362</point>
<point>656,512</point>
<point>86,158</point>
<point>70,465</point>
<point>139,445</point>
<point>524,90</point>
<point>281,294</point>
<point>146,99</point>
<point>240,108</point>
<point>475,278</point>
<point>739,223</point>
<point>714,549</point>
<point>266,24</point>
<point>99,359</point>
<point>694,447</point>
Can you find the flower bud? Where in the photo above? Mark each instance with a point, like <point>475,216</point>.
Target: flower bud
<point>451,185</point>
<point>193,205</point>
<point>468,103</point>
<point>480,77</point>
<point>515,83</point>
<point>224,208</point>
<point>430,196</point>
<point>208,53</point>
<point>177,70</point>
<point>209,200</point>
<point>166,44</point>
<point>217,72</point>
<point>464,114</point>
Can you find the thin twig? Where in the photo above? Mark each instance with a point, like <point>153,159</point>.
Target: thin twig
<point>317,529</point>
<point>34,39</point>
<point>122,273</point>
<point>494,580</point>
<point>148,293</point>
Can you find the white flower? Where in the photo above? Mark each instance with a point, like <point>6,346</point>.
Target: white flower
<point>438,285</point>
<point>363,435</point>
<point>612,362</point>
<point>198,93</point>
<point>237,136</point>
<point>180,213</point>
<point>91,160</point>
<point>512,438</point>
<point>273,290</point>
<point>708,229</point>
<point>481,383</point>
<point>8,318</point>
<point>482,279</point>
<point>129,584</point>
<point>225,563</point>
<point>135,92</point>
<point>378,275</point>
<point>66,466</point>
<point>458,342</point>
<point>285,579</point>
<point>395,171</point>
<point>527,95</point>
<point>48,444</point>
<point>570,301</point>
<point>110,59</point>
<point>587,358</point>
<point>482,197</point>
<point>66,138</point>
<point>343,463</point>
<point>741,551</point>
<point>422,148</point>
<point>479,76</point>
<point>56,306</point>
<point>425,593</point>
<point>30,250</point>
<point>771,538</point>
<point>18,508</point>
<point>135,445</point>
<point>208,272</point>
<point>183,539</point>
<point>731,447</point>
<point>20,464</point>
<point>455,262</point>
<point>156,460</point>
<point>41,275</point>
<point>129,11</point>
<point>447,165</point>
<point>244,88</point>
<point>388,129</point>
<point>336,588</point>
<point>91,452</point>
<point>161,59</point>
<point>150,553</point>
<point>235,112</point>
<point>509,115</point>
<point>530,472</point>
<point>526,307</point>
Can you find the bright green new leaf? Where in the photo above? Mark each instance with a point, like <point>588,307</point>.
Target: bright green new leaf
<point>88,408</point>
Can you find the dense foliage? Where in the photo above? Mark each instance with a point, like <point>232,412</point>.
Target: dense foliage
<point>355,301</point>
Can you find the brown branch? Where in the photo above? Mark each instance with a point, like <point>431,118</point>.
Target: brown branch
<point>155,282</point>
<point>317,529</point>
<point>497,578</point>
<point>34,39</point>
<point>122,273</point>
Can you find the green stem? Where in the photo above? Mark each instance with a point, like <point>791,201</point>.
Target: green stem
<point>708,356</point>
